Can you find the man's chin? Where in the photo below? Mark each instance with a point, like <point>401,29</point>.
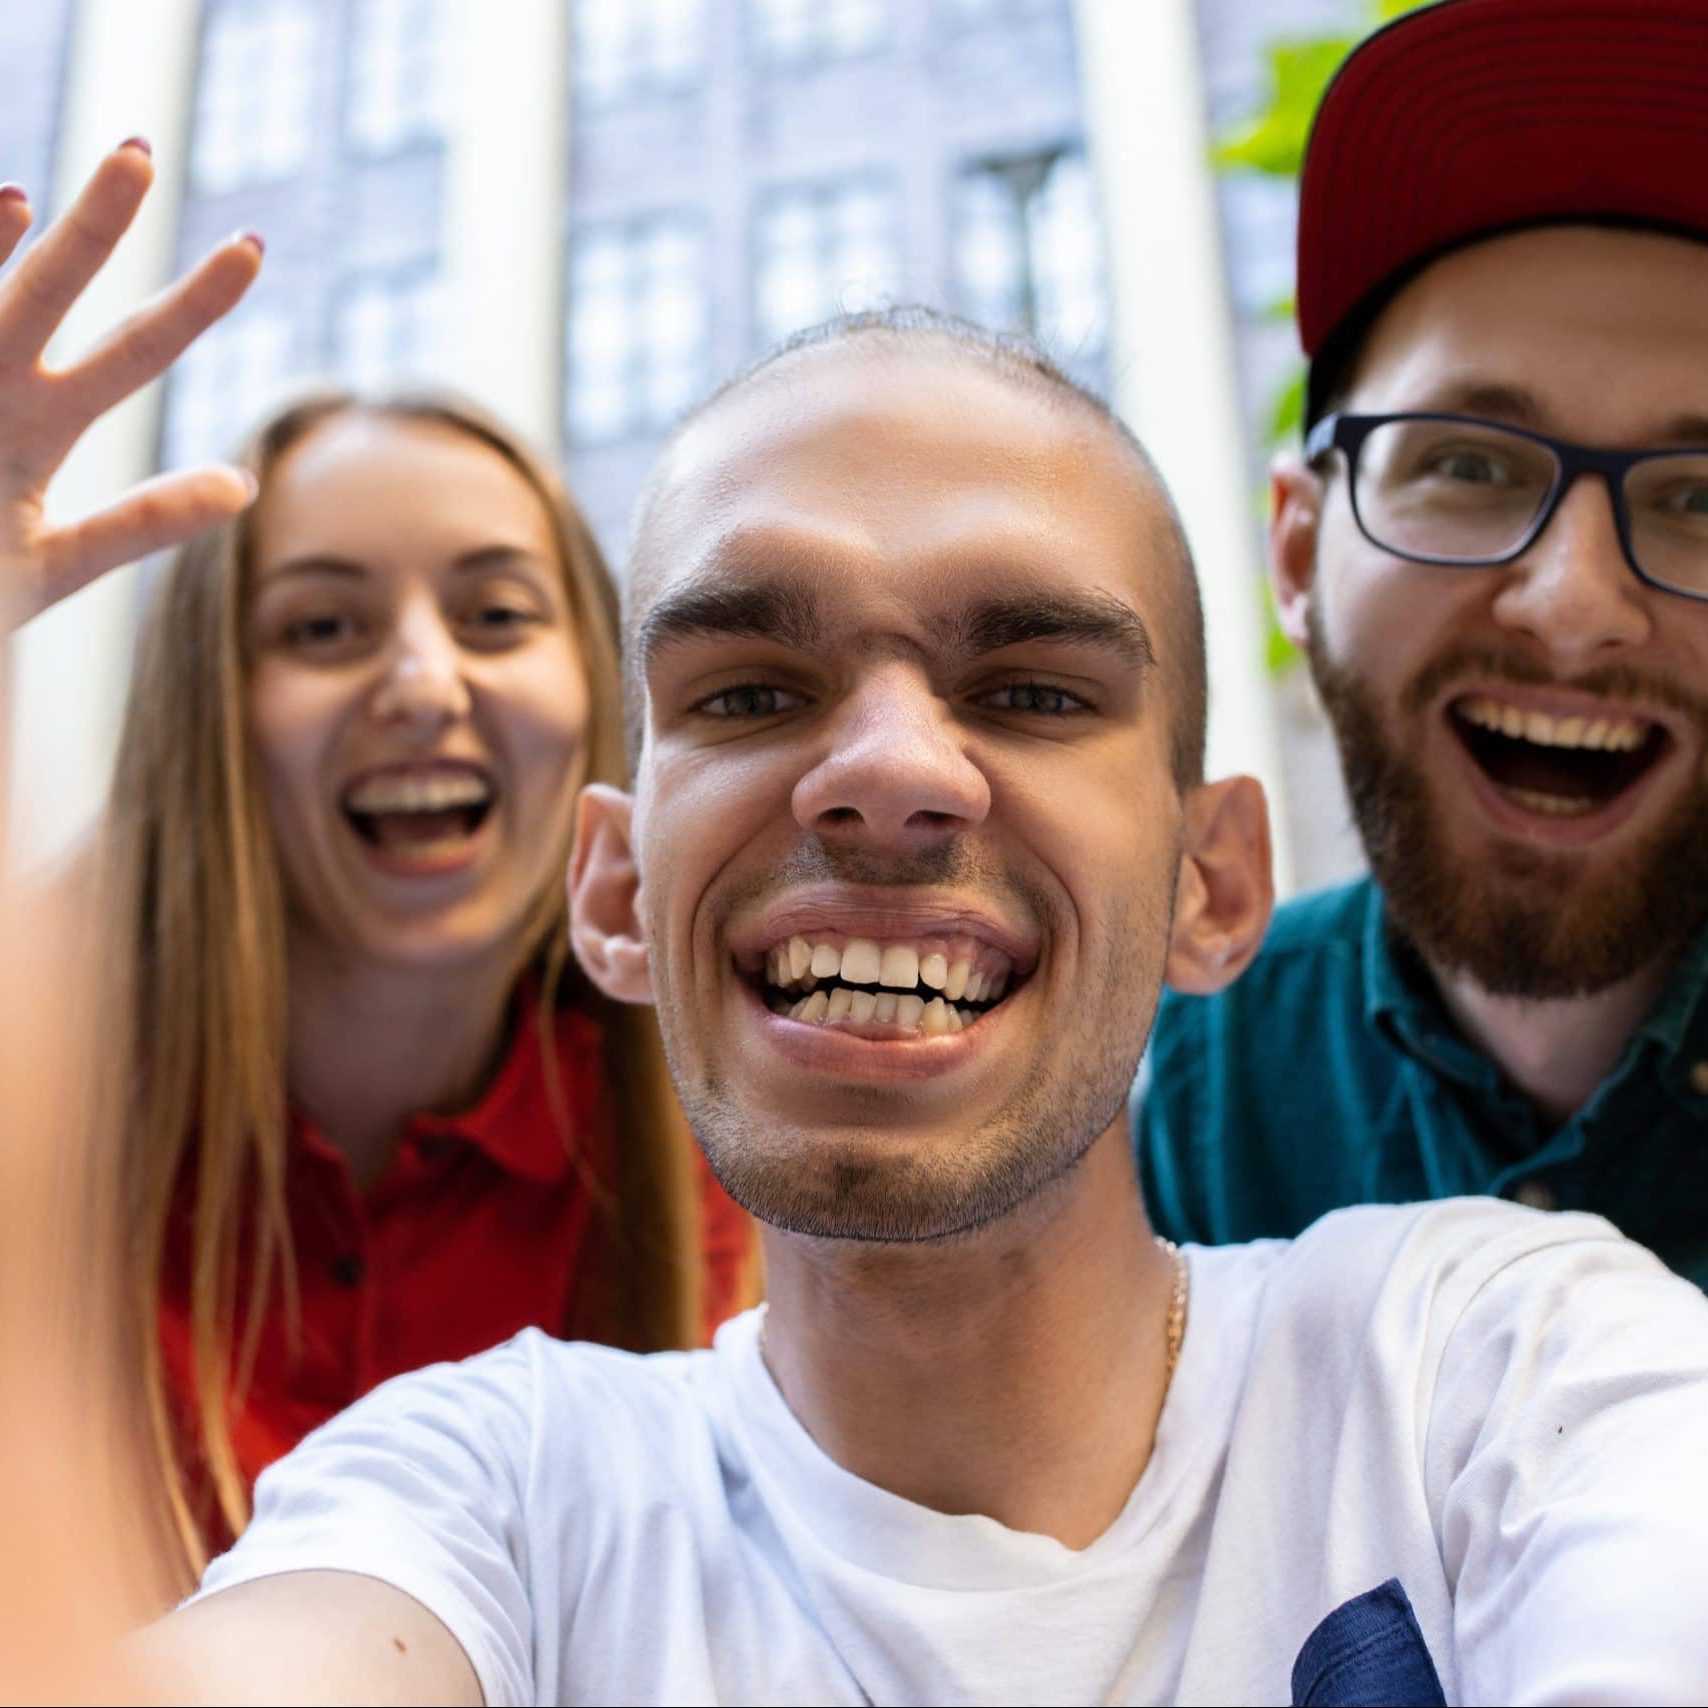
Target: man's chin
<point>889,1182</point>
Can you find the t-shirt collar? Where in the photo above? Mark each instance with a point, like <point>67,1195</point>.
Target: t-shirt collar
<point>514,1123</point>
<point>1401,1003</point>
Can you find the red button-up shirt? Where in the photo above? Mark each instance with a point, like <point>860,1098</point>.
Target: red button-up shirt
<point>483,1225</point>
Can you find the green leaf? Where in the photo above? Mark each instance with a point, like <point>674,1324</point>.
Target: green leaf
<point>1388,10</point>
<point>1274,142</point>
<point>1287,413</point>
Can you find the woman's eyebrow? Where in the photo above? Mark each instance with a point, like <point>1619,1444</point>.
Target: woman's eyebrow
<point>312,564</point>
<point>500,557</point>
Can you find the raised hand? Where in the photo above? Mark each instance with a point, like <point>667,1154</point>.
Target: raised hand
<point>43,412</point>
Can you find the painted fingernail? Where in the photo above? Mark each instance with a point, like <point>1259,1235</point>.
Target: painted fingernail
<point>140,143</point>
<point>13,193</point>
<point>253,238</point>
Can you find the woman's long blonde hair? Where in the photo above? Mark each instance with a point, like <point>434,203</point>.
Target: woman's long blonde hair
<point>197,928</point>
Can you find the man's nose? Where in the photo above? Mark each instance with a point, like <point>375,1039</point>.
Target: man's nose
<point>1573,591</point>
<point>423,686</point>
<point>895,774</point>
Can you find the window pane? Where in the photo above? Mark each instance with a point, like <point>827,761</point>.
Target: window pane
<point>624,48</point>
<point>225,382</point>
<point>387,329</point>
<point>255,93</point>
<point>794,30</point>
<point>1067,259</point>
<point>990,254</point>
<point>825,251</point>
<point>637,330</point>
<point>1029,251</point>
<point>397,72</point>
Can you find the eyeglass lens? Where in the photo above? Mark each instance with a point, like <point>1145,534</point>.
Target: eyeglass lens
<point>1471,493</point>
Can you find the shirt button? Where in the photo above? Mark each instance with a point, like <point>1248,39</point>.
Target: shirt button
<point>348,1269</point>
<point>1536,1195</point>
<point>1699,1077</point>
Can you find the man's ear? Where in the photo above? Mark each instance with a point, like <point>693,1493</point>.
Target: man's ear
<point>604,896</point>
<point>1295,516</point>
<point>1226,890</point>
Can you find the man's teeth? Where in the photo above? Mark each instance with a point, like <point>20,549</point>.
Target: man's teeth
<point>1610,734</point>
<point>916,988</point>
<point>434,793</point>
<point>1556,806</point>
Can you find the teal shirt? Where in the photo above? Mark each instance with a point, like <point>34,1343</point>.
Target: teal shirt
<point>1330,1074</point>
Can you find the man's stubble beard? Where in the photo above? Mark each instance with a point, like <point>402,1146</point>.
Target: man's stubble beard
<point>844,1189</point>
<point>1525,922</point>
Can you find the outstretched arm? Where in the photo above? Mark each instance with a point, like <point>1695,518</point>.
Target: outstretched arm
<point>44,412</point>
<point>308,1637</point>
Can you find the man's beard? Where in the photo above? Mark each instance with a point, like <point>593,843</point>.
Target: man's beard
<point>1523,922</point>
<point>846,1187</point>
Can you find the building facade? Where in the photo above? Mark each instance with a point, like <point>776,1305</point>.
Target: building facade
<point>740,169</point>
<point>587,212</point>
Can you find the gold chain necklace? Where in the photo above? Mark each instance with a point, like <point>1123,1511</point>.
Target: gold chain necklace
<point>1174,1326</point>
<point>1176,1322</point>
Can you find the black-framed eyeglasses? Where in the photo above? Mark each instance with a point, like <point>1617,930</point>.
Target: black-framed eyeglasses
<point>1468,493</point>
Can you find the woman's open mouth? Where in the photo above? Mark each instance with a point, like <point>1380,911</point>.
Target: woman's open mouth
<point>924,987</point>
<point>424,815</point>
<point>1558,767</point>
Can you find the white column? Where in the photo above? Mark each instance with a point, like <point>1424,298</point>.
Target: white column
<point>505,197</point>
<point>128,74</point>
<point>1174,368</point>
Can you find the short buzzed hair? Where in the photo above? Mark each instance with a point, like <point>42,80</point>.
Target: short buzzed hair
<point>1023,362</point>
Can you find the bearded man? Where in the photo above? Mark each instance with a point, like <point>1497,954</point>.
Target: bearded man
<point>1495,553</point>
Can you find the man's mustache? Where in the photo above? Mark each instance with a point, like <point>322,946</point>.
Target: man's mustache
<point>1614,682</point>
<point>951,861</point>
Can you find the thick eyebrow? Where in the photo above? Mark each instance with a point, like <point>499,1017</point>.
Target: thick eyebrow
<point>788,615</point>
<point>712,605</point>
<point>1515,404</point>
<point>1686,430</point>
<point>1079,619</point>
<point>1482,397</point>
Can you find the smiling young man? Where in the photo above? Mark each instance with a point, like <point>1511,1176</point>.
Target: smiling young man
<point>917,830</point>
<point>1495,552</point>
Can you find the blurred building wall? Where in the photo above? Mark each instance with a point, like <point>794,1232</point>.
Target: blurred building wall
<point>588,211</point>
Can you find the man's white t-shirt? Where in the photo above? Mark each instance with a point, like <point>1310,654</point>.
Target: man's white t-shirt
<point>1505,1411</point>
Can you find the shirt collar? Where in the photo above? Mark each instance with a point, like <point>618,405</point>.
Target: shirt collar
<point>1402,1004</point>
<point>514,1122</point>
<point>1679,1021</point>
<point>1400,1001</point>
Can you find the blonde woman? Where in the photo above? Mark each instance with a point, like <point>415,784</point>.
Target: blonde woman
<point>372,1116</point>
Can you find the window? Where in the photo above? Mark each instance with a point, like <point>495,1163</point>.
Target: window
<point>638,328</point>
<point>397,72</point>
<point>255,92</point>
<point>796,30</point>
<point>625,48</point>
<point>223,383</point>
<point>1029,250</point>
<point>387,328</point>
<point>824,251</point>
<point>1006,11</point>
